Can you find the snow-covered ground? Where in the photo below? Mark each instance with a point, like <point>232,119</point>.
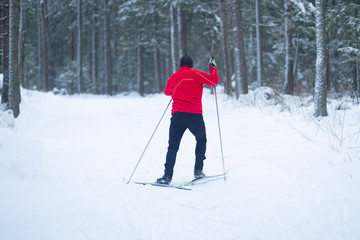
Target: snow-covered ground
<point>65,161</point>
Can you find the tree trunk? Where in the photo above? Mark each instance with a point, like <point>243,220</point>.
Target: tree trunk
<point>94,52</point>
<point>78,52</point>
<point>239,50</point>
<point>157,69</point>
<point>141,78</point>
<point>226,51</point>
<point>182,31</point>
<point>107,53</point>
<point>44,43</point>
<point>354,76</point>
<point>289,56</point>
<point>357,77</point>
<point>40,83</point>
<point>14,81</point>
<point>22,41</point>
<point>258,42</point>
<point>321,65</point>
<point>157,62</point>
<point>174,58</point>
<point>5,94</point>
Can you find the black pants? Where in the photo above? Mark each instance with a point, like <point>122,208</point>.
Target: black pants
<point>180,121</point>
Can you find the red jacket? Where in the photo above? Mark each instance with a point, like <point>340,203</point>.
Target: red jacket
<point>186,87</point>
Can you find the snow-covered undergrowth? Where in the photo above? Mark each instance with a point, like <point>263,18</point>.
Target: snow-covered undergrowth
<point>65,161</point>
<point>339,131</point>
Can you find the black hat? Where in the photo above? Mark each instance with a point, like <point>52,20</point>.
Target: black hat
<point>186,61</point>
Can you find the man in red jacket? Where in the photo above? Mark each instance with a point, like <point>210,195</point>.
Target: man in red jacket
<point>186,87</point>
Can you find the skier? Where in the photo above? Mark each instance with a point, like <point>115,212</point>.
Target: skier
<point>186,87</point>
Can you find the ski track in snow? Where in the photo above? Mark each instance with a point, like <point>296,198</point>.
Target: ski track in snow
<point>64,170</point>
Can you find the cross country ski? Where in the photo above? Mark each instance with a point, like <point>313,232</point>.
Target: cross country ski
<point>184,186</point>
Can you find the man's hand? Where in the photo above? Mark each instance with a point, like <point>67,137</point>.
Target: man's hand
<point>212,62</point>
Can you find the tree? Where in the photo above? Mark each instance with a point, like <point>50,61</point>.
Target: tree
<point>44,42</point>
<point>226,50</point>
<point>182,30</point>
<point>258,42</point>
<point>239,50</point>
<point>94,49</point>
<point>78,52</point>
<point>289,58</point>
<point>157,65</point>
<point>5,16</point>
<point>22,41</point>
<point>14,81</point>
<point>321,64</point>
<point>107,53</point>
<point>141,74</point>
<point>174,56</point>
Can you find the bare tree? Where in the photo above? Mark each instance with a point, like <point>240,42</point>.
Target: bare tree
<point>321,64</point>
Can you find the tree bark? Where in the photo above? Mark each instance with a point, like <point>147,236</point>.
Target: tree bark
<point>78,52</point>
<point>182,31</point>
<point>22,42</point>
<point>258,42</point>
<point>40,83</point>
<point>108,77</point>
<point>174,58</point>
<point>239,50</point>
<point>44,43</point>
<point>321,64</point>
<point>157,66</point>
<point>289,55</point>
<point>14,81</point>
<point>225,43</point>
<point>141,77</point>
<point>5,94</point>
<point>94,51</point>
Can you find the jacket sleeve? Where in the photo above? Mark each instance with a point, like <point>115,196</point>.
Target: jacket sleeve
<point>168,91</point>
<point>211,79</point>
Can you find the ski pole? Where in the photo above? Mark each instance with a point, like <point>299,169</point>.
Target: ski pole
<point>218,118</point>
<point>149,142</point>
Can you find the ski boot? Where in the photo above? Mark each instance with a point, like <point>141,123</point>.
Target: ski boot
<point>199,174</point>
<point>164,180</point>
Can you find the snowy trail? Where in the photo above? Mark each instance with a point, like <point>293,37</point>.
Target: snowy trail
<point>83,149</point>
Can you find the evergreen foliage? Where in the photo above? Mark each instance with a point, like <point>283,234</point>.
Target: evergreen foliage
<point>146,25</point>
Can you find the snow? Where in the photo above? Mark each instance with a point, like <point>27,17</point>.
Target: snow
<point>300,5</point>
<point>65,163</point>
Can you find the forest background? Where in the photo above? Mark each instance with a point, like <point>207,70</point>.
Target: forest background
<point>115,46</point>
